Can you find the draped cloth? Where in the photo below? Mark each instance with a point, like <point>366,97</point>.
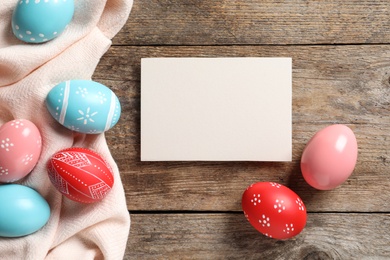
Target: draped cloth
<point>27,73</point>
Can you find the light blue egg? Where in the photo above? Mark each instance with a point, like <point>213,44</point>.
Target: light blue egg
<point>37,21</point>
<point>22,210</point>
<point>84,106</point>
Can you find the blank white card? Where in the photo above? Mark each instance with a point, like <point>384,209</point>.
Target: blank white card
<point>216,109</point>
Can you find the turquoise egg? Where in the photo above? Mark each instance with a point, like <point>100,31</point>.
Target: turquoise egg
<point>37,21</point>
<point>84,106</point>
<point>22,210</point>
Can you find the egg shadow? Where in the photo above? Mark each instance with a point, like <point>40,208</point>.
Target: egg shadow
<point>246,241</point>
<point>243,240</point>
<point>310,196</point>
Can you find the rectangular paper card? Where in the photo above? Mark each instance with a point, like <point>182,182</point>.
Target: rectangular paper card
<point>216,109</point>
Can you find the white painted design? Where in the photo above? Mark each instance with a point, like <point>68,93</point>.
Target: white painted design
<point>37,1</point>
<point>39,141</point>
<point>264,221</point>
<point>3,171</point>
<point>28,32</point>
<point>289,228</point>
<point>266,234</point>
<point>102,170</point>
<point>256,199</point>
<point>41,35</point>
<point>27,158</point>
<point>73,128</point>
<point>32,39</point>
<point>20,36</point>
<point>78,160</point>
<point>6,144</point>
<point>82,91</point>
<point>57,180</point>
<point>99,190</point>
<point>300,204</point>
<point>17,123</point>
<point>65,102</point>
<point>102,97</point>
<point>111,112</point>
<point>274,184</point>
<point>86,116</point>
<point>16,27</point>
<point>279,205</point>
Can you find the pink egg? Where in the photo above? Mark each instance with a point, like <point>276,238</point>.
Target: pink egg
<point>330,157</point>
<point>20,148</point>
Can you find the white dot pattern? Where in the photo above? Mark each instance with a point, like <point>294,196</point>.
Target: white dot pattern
<point>256,199</point>
<point>33,36</point>
<point>6,144</point>
<point>279,205</point>
<point>300,204</point>
<point>265,221</point>
<point>3,171</point>
<point>289,228</point>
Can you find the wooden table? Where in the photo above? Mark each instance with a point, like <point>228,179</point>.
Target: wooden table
<point>341,70</point>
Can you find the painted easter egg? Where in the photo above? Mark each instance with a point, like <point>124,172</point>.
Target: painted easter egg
<point>329,158</point>
<point>37,21</point>
<point>274,210</point>
<point>20,148</point>
<point>22,210</point>
<point>84,106</point>
<point>80,174</point>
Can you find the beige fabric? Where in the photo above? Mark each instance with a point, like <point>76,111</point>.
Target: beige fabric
<point>27,73</point>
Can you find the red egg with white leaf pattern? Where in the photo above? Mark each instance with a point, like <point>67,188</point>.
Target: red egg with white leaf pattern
<point>80,174</point>
<point>274,210</point>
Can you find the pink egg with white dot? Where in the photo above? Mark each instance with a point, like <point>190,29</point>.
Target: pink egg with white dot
<point>20,148</point>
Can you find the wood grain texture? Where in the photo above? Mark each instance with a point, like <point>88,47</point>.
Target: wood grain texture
<point>341,74</point>
<point>224,22</point>
<point>229,236</point>
<point>331,84</point>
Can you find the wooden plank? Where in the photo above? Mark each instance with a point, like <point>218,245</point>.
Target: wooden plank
<point>331,84</point>
<point>334,83</point>
<point>230,236</point>
<point>220,22</point>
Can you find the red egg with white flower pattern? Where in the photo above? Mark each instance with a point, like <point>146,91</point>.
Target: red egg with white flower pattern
<point>80,174</point>
<point>274,210</point>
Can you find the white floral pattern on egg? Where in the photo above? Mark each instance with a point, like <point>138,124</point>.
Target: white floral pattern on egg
<point>84,106</point>
<point>280,213</point>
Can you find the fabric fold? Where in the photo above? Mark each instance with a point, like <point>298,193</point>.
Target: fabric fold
<point>27,73</point>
